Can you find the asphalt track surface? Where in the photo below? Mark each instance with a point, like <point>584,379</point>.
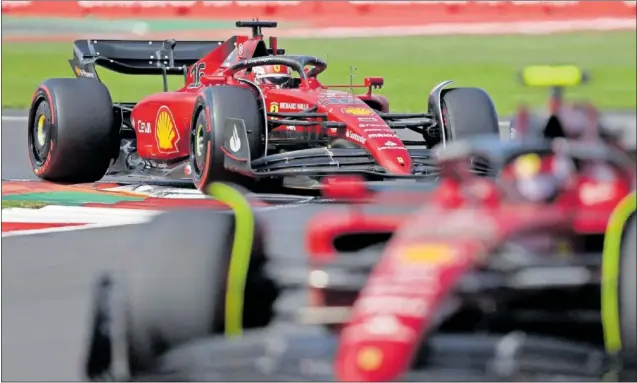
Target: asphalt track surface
<point>47,278</point>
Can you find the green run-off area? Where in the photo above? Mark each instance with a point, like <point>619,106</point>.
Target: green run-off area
<point>411,66</point>
<point>66,198</point>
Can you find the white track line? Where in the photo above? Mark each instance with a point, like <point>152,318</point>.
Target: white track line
<point>19,233</point>
<point>14,118</point>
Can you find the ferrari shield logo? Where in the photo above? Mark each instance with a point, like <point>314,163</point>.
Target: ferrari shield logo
<point>274,107</point>
<point>166,131</point>
<point>357,111</point>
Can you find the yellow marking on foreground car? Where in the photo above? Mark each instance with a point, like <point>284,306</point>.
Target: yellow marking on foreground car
<point>434,254</point>
<point>552,76</point>
<point>610,272</point>
<point>240,256</point>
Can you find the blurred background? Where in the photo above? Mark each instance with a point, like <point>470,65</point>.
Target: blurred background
<point>413,44</point>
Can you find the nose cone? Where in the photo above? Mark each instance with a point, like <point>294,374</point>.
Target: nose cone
<point>393,156</point>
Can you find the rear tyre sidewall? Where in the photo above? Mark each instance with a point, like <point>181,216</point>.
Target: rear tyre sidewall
<point>79,119</point>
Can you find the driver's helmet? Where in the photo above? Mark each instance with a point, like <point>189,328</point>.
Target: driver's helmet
<point>537,178</point>
<point>279,75</point>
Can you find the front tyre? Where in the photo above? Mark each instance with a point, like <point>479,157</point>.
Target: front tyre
<point>213,108</point>
<point>468,112</point>
<point>71,132</point>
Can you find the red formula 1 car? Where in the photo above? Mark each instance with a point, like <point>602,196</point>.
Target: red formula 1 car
<point>245,110</point>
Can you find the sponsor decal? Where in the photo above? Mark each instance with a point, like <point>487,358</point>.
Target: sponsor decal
<point>433,254</point>
<point>380,135</point>
<point>392,305</point>
<point>240,50</point>
<point>276,68</point>
<point>143,127</point>
<point>389,143</point>
<point>274,107</point>
<point>290,127</point>
<point>392,147</point>
<point>369,358</point>
<point>82,73</point>
<point>166,132</point>
<point>340,99</point>
<point>382,327</point>
<point>358,111</point>
<point>400,160</point>
<point>366,126</point>
<point>368,119</point>
<point>355,137</point>
<point>596,193</point>
<point>294,106</point>
<point>235,142</point>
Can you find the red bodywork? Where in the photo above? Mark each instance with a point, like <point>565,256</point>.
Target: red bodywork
<point>449,231</point>
<point>162,121</point>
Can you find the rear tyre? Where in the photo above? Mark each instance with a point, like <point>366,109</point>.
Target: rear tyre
<point>214,106</point>
<point>468,112</point>
<point>177,283</point>
<point>71,132</point>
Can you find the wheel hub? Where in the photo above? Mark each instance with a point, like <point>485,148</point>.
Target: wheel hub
<point>41,133</point>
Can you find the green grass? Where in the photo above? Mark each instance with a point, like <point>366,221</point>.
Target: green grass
<point>411,66</point>
<point>22,204</point>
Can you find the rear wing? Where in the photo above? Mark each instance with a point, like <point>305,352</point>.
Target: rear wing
<point>141,57</point>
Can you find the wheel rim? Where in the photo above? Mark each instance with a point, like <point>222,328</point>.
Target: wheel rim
<point>199,146</point>
<point>41,133</point>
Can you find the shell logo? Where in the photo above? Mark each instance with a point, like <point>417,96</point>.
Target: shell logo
<point>166,131</point>
<point>358,111</point>
<point>433,254</point>
<point>369,358</point>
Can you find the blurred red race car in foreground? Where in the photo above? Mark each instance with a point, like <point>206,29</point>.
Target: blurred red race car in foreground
<point>247,111</point>
<point>494,279</point>
<point>530,241</point>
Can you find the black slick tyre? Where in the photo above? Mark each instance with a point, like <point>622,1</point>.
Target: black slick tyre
<point>177,280</point>
<point>468,112</point>
<point>70,130</point>
<point>214,106</point>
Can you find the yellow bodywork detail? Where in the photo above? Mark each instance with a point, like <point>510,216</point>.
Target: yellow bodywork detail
<point>552,76</point>
<point>610,272</point>
<point>240,256</point>
<point>41,135</point>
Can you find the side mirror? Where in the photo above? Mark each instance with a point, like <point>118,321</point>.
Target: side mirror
<point>345,188</point>
<point>374,82</point>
